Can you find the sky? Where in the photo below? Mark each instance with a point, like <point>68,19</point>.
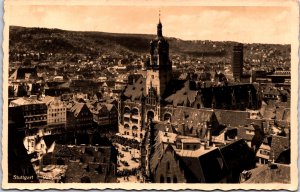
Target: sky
<point>251,24</point>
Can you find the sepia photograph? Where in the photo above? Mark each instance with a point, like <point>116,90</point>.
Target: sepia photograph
<point>134,95</point>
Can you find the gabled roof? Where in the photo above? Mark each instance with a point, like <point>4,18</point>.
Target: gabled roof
<point>49,140</point>
<point>76,109</point>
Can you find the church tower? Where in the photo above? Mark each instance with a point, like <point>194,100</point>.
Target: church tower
<point>159,67</point>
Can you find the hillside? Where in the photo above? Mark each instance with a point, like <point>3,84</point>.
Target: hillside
<point>56,40</point>
<point>94,43</point>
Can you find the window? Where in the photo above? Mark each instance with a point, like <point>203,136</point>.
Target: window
<point>162,179</point>
<point>168,180</point>
<point>174,179</point>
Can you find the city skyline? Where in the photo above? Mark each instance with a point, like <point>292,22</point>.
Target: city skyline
<point>242,24</point>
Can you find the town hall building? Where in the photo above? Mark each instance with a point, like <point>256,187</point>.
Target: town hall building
<point>159,96</point>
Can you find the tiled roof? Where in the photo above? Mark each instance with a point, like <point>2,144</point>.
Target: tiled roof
<point>278,145</point>
<point>194,119</point>
<point>136,90</point>
<point>264,174</point>
<point>76,109</point>
<point>163,126</point>
<point>242,134</point>
<point>65,151</point>
<point>232,118</point>
<point>159,150</point>
<point>182,97</point>
<point>25,101</point>
<point>47,99</point>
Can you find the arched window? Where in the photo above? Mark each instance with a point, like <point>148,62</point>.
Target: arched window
<point>150,115</point>
<point>126,110</point>
<point>162,179</point>
<point>135,111</point>
<point>167,117</point>
<point>126,126</point>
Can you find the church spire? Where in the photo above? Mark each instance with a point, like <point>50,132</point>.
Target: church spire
<point>159,17</point>
<point>159,26</point>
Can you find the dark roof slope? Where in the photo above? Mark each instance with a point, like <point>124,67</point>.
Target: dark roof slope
<point>136,90</point>
<point>49,139</point>
<point>183,96</point>
<point>265,174</point>
<point>232,118</point>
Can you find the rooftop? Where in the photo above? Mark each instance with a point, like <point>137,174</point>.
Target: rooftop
<point>25,101</point>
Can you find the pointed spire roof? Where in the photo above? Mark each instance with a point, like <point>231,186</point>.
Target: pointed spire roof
<point>159,26</point>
